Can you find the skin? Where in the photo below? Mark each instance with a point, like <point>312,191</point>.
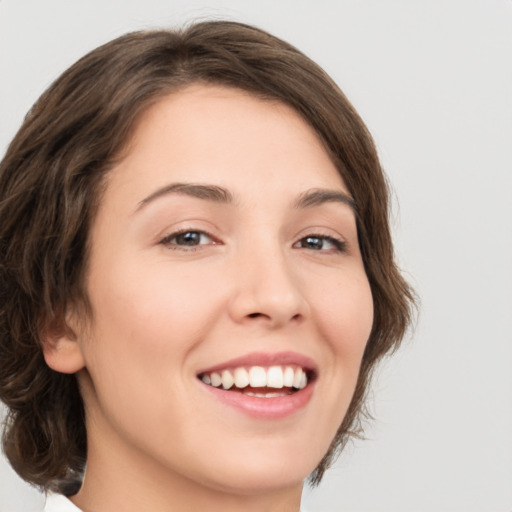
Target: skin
<point>162,311</point>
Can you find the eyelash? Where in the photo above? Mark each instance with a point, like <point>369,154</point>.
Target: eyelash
<point>339,245</point>
<point>167,240</point>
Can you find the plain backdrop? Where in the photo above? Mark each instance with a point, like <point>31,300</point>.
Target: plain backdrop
<point>433,81</point>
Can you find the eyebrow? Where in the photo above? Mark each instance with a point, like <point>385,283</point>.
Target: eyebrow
<point>319,196</point>
<point>308,199</point>
<point>199,191</point>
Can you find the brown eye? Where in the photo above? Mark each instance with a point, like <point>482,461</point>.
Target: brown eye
<point>187,239</point>
<point>320,243</point>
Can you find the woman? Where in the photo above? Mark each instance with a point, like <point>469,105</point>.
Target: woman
<point>197,275</point>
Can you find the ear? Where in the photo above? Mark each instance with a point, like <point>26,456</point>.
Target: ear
<point>61,349</point>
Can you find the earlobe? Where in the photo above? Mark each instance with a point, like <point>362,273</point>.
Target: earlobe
<point>62,350</point>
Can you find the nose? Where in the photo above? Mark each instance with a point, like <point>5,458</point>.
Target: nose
<point>267,291</point>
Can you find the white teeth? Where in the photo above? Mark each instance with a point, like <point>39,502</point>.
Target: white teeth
<point>275,377</point>
<point>241,378</point>
<point>296,378</point>
<point>288,377</point>
<point>257,377</point>
<point>227,379</point>
<point>216,379</point>
<point>303,381</point>
<point>264,395</point>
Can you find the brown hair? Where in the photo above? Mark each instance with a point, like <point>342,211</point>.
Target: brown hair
<point>50,184</point>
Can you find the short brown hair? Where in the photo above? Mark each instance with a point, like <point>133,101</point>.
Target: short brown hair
<point>50,185</point>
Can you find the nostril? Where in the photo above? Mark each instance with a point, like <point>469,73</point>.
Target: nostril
<point>254,315</point>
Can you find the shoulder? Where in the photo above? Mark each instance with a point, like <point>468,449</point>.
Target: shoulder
<point>59,503</point>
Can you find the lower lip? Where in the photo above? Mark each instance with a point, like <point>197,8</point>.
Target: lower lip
<point>265,408</point>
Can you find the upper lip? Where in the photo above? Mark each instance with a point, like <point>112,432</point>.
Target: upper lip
<point>265,359</point>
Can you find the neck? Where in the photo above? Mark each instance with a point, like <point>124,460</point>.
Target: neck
<point>175,495</point>
<point>183,500</point>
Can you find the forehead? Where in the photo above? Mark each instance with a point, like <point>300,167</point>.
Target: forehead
<point>226,136</point>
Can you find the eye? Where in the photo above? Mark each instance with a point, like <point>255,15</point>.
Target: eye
<point>320,243</point>
<point>187,238</point>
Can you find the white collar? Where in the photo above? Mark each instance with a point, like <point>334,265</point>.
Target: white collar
<point>59,503</point>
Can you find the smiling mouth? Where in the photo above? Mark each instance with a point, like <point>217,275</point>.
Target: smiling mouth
<point>260,381</point>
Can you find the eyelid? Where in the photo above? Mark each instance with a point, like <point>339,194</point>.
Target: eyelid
<point>166,240</point>
<point>339,242</point>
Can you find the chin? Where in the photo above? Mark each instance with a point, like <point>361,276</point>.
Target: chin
<point>263,472</point>
<point>255,481</point>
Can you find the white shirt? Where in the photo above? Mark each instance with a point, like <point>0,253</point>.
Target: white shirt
<point>59,503</point>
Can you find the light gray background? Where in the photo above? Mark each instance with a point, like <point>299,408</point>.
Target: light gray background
<point>433,81</point>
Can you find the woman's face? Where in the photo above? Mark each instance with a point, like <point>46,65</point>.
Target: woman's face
<point>225,249</point>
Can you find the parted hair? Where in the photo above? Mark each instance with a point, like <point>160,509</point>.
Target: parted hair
<point>51,181</point>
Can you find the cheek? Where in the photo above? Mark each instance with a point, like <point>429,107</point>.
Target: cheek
<point>144,328</point>
<point>347,319</point>
<point>153,313</point>
<point>348,310</point>
<point>344,315</point>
